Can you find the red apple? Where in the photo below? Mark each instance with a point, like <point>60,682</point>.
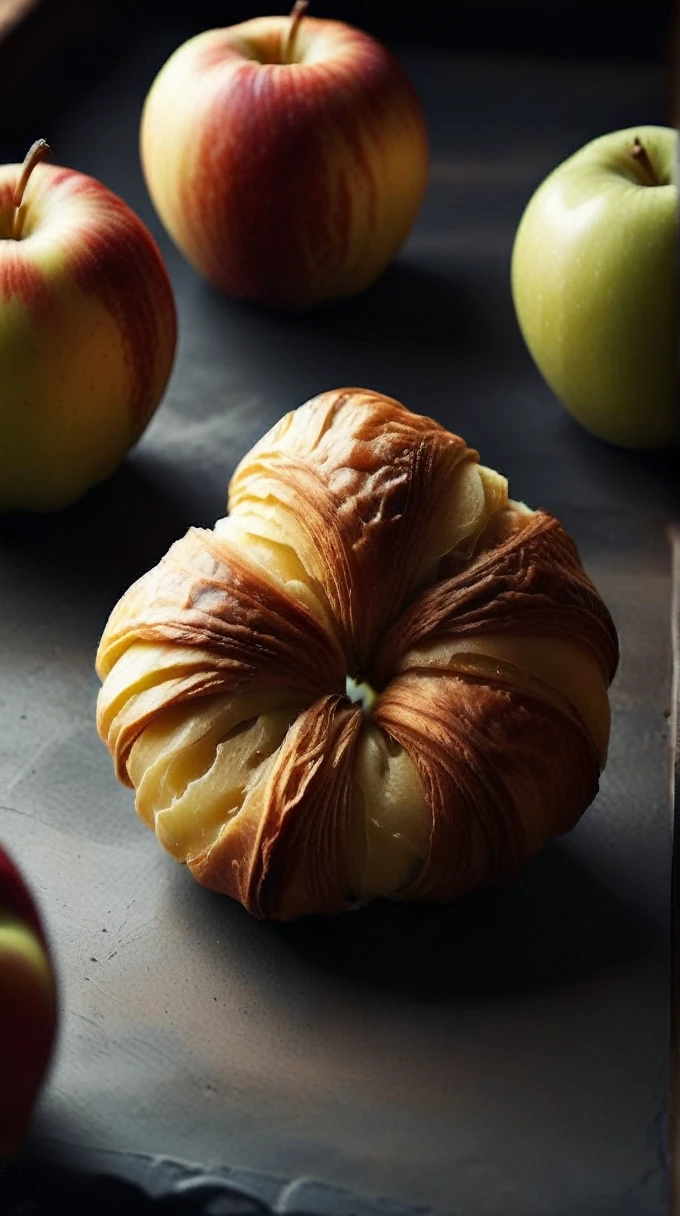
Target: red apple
<point>87,332</point>
<point>28,1007</point>
<point>286,156</point>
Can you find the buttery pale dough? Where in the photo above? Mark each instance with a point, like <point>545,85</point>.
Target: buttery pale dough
<point>362,540</point>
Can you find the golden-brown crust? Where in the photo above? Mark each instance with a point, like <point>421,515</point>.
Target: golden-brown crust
<point>204,594</point>
<point>502,773</point>
<point>244,631</point>
<point>365,482</point>
<point>362,539</point>
<point>292,858</point>
<point>531,583</point>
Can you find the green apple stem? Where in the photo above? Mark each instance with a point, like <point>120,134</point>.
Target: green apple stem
<point>38,151</point>
<point>296,14</point>
<point>639,154</point>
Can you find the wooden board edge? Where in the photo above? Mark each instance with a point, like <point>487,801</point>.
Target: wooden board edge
<point>674,739</point>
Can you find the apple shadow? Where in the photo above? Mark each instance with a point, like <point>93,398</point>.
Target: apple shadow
<point>411,306</point>
<point>555,925</point>
<point>101,543</point>
<point>650,477</point>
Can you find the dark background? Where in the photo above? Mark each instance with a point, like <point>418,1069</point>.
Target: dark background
<point>594,28</point>
<point>62,43</point>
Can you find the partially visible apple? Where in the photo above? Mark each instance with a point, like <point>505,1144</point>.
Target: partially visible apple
<point>87,332</point>
<point>286,156</point>
<point>28,1007</point>
<point>595,285</point>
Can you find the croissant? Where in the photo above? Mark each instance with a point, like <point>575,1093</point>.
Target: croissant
<point>377,676</point>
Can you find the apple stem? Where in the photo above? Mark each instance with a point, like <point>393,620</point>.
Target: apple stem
<point>38,151</point>
<point>639,154</point>
<point>296,14</point>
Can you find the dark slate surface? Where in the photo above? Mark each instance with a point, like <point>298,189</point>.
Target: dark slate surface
<point>505,1055</point>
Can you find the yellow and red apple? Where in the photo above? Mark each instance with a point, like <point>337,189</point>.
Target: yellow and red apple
<point>286,156</point>
<point>87,332</point>
<point>28,1007</point>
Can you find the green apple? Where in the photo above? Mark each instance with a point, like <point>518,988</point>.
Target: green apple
<point>594,283</point>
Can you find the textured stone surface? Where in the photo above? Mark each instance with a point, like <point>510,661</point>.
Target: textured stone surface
<point>507,1055</point>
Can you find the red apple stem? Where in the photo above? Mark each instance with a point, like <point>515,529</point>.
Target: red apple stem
<point>296,14</point>
<point>639,153</point>
<point>38,151</point>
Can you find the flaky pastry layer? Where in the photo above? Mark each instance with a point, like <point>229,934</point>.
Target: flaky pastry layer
<point>365,541</point>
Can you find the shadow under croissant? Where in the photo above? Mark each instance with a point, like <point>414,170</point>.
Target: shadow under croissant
<point>554,925</point>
